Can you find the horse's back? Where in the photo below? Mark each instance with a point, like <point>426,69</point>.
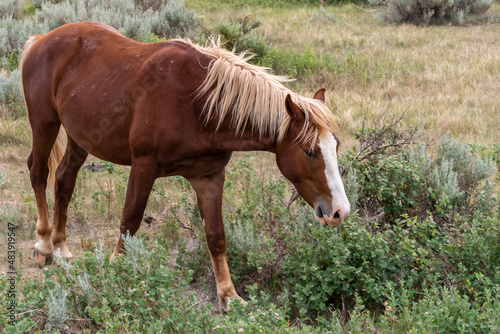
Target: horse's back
<point>94,76</point>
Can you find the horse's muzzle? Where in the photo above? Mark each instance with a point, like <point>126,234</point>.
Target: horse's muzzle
<point>326,218</point>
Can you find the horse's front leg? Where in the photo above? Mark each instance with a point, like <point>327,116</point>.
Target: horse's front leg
<point>142,177</point>
<point>209,195</point>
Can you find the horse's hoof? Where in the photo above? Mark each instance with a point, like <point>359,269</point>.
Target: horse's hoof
<point>224,302</point>
<point>43,259</point>
<point>64,253</point>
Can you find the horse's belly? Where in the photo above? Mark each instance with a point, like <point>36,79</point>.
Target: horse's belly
<point>105,137</point>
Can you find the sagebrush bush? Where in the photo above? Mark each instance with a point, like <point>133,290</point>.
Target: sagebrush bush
<point>14,33</point>
<point>135,19</point>
<point>53,15</point>
<point>11,96</point>
<point>491,151</point>
<point>174,20</point>
<point>432,11</point>
<point>57,308</point>
<point>9,8</point>
<point>254,247</point>
<point>10,214</point>
<point>138,254</point>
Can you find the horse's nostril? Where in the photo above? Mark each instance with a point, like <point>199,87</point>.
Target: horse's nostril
<point>337,214</point>
<point>319,212</point>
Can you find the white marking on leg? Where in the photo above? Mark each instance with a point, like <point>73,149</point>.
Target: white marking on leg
<point>328,146</point>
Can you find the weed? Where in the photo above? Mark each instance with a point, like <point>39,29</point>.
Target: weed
<point>57,308</point>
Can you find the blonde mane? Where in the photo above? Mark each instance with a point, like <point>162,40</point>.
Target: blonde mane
<point>255,98</point>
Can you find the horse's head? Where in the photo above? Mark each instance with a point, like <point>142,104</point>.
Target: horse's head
<point>314,170</point>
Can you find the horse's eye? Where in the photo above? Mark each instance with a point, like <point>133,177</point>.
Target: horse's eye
<point>310,153</point>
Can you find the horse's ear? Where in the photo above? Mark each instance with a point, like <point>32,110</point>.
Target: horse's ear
<point>296,114</point>
<point>320,95</point>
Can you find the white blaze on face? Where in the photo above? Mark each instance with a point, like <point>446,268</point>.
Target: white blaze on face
<point>328,146</point>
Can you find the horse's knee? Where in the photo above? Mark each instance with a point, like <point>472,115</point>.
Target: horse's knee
<point>63,187</point>
<point>130,226</point>
<point>30,161</point>
<point>38,177</point>
<point>216,242</point>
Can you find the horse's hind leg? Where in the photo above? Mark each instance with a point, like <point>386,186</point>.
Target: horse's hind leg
<point>65,180</point>
<point>44,136</point>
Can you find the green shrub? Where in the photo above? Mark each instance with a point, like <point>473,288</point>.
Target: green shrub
<point>475,257</point>
<point>325,267</point>
<point>113,296</point>
<point>411,181</point>
<point>390,185</point>
<point>446,310</point>
<point>292,63</point>
<point>239,35</point>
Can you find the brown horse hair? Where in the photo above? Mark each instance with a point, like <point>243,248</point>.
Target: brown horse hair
<point>255,97</point>
<point>57,152</point>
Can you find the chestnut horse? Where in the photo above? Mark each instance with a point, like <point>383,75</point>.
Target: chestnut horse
<point>166,108</point>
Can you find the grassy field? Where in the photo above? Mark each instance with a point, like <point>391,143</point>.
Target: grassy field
<point>446,78</point>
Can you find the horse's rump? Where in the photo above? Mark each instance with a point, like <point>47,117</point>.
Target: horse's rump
<point>96,77</point>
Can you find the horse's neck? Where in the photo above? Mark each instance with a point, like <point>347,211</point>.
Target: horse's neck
<point>246,141</point>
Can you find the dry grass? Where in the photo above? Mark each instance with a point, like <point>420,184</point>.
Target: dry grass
<point>447,77</point>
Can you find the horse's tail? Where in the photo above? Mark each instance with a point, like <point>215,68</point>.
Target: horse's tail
<point>56,155</point>
<point>59,146</point>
